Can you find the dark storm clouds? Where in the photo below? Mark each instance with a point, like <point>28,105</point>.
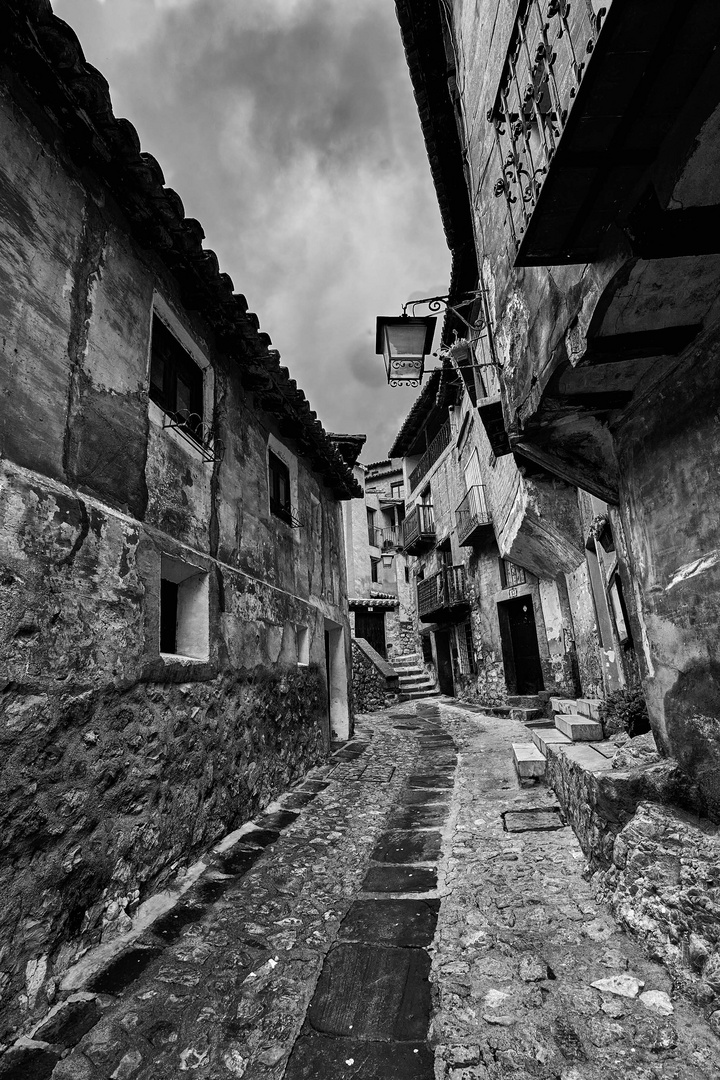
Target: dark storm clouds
<point>289,129</point>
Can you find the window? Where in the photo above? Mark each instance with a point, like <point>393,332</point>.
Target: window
<point>466,652</point>
<point>407,575</point>
<point>184,609</point>
<point>374,563</point>
<point>176,381</point>
<point>372,532</point>
<point>302,643</point>
<point>279,483</point>
<point>511,574</point>
<point>397,490</point>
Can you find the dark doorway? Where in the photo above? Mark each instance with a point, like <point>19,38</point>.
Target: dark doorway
<point>521,655</point>
<point>370,625</point>
<point>444,663</point>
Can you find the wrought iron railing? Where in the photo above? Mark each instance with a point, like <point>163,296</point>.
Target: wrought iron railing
<point>202,436</point>
<point>419,523</point>
<point>433,452</point>
<point>472,512</point>
<point>442,590</point>
<point>548,54</point>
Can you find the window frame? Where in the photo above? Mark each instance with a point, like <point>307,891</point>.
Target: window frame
<point>278,472</point>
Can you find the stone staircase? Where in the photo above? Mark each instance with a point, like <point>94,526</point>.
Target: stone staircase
<point>574,721</point>
<point>414,681</point>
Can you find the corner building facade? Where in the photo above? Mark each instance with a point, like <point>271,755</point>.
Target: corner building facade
<point>175,641</point>
<point>573,147</point>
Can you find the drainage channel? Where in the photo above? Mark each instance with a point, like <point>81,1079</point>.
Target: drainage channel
<point>370,1015</point>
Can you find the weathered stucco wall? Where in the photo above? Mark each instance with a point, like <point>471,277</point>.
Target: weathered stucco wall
<point>670,457</point>
<point>118,764</point>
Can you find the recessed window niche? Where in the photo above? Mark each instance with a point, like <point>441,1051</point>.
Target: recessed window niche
<point>184,610</point>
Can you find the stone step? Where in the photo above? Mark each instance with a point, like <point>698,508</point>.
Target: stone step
<point>589,707</point>
<point>525,701</point>
<point>405,676</point>
<point>495,710</point>
<point>578,728</point>
<point>563,705</point>
<point>523,714</point>
<point>416,695</point>
<point>528,760</point>
<point>545,737</point>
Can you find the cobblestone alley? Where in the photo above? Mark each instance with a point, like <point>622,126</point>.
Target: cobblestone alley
<point>411,912</point>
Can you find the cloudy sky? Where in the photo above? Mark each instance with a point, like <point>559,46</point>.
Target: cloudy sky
<point>289,129</point>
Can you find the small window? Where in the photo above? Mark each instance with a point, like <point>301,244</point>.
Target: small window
<point>176,381</point>
<point>374,564</point>
<point>397,491</point>
<point>511,574</point>
<point>407,575</point>
<point>302,639</point>
<point>184,609</point>
<point>279,482</point>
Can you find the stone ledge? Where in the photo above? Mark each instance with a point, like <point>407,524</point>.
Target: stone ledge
<point>376,659</point>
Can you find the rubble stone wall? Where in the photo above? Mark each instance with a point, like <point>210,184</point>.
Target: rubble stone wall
<point>118,764</point>
<point>375,682</point>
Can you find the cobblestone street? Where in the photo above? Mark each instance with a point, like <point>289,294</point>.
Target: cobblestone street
<point>409,911</point>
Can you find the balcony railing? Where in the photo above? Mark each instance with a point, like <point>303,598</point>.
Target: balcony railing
<point>472,515</point>
<point>375,536</point>
<point>433,452</point>
<point>547,58</point>
<point>418,529</point>
<point>391,538</point>
<point>441,593</point>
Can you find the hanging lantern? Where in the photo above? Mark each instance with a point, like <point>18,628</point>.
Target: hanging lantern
<point>404,342</point>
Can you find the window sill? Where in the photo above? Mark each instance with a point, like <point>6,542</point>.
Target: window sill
<point>181,659</point>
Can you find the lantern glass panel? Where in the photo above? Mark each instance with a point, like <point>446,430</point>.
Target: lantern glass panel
<point>405,340</point>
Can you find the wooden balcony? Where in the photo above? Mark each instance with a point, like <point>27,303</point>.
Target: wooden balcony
<point>433,452</point>
<point>418,529</point>
<point>442,596</point>
<point>391,538</point>
<point>587,97</point>
<point>472,517</point>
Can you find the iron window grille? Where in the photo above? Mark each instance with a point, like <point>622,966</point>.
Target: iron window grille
<point>511,575</point>
<point>176,387</point>
<point>279,483</point>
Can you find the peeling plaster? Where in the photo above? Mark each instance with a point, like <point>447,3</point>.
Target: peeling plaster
<point>692,569</point>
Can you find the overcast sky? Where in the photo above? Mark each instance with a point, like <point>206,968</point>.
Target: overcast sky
<point>289,129</point>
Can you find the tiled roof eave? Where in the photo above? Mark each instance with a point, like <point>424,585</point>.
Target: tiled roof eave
<point>47,61</point>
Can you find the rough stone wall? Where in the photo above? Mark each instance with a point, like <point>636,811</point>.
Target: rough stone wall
<point>119,765</point>
<point>372,685</point>
<point>662,455</point>
<point>664,886</point>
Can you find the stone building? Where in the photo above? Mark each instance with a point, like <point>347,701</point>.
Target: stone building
<point>574,150</point>
<point>175,644</point>
<point>503,580</point>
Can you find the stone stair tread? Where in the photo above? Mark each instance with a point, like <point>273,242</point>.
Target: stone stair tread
<point>527,701</point>
<point>545,737</point>
<point>528,760</point>
<point>578,728</point>
<point>589,707</point>
<point>563,705</point>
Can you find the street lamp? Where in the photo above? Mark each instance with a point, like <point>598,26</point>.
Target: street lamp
<point>404,342</point>
<point>387,559</point>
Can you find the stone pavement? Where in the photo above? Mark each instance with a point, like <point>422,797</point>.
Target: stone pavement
<point>407,912</point>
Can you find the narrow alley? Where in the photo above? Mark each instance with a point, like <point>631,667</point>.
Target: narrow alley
<point>410,910</point>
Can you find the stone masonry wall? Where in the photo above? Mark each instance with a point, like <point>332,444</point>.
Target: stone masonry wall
<point>374,681</point>
<point>119,764</point>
